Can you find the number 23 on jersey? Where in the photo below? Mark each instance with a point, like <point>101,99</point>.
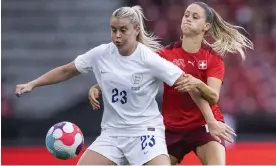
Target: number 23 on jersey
<point>119,96</point>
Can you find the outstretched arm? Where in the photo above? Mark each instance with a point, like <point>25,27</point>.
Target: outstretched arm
<point>54,76</point>
<point>82,64</point>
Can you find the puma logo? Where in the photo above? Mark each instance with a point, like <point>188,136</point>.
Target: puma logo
<point>192,63</point>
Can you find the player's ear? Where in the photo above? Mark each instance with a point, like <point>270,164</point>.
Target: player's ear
<point>137,30</point>
<point>206,27</point>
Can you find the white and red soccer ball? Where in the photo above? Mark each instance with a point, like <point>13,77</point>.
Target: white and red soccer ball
<point>64,140</point>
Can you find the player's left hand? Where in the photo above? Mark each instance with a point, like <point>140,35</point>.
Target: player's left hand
<point>187,83</point>
<point>94,94</point>
<point>220,130</point>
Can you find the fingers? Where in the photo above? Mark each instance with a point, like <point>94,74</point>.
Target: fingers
<point>187,75</point>
<point>230,131</point>
<point>182,82</point>
<point>20,90</point>
<point>185,85</point>
<point>227,128</point>
<point>217,139</point>
<point>185,80</point>
<point>93,95</point>
<point>227,137</point>
<point>185,88</point>
<point>95,105</point>
<point>94,98</point>
<point>222,131</point>
<point>97,93</point>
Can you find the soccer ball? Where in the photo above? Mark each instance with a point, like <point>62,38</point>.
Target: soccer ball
<point>64,140</point>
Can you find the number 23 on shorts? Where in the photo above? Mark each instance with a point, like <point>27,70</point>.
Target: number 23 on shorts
<point>147,140</point>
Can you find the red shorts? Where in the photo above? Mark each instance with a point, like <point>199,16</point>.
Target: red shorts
<point>180,143</point>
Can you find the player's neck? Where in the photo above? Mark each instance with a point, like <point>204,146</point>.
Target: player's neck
<point>129,51</point>
<point>191,44</point>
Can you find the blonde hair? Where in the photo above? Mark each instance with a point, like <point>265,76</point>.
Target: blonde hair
<point>227,37</point>
<point>136,16</point>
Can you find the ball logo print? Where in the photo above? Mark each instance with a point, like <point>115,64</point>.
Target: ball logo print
<point>64,140</point>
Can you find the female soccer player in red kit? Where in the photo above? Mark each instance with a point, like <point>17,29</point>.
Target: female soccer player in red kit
<point>185,130</point>
<point>186,126</point>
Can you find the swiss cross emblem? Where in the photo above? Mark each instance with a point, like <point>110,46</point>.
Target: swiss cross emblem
<point>202,64</point>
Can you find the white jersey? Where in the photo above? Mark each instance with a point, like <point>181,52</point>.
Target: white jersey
<point>129,85</point>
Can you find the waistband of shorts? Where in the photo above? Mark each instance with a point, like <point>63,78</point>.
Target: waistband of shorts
<point>134,132</point>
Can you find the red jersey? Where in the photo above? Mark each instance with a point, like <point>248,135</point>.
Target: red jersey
<point>178,109</point>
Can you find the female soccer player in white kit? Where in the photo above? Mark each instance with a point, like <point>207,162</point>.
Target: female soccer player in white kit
<point>128,72</point>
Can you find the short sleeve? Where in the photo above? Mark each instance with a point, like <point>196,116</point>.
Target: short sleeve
<point>216,68</point>
<point>86,62</point>
<point>162,69</point>
<point>161,53</point>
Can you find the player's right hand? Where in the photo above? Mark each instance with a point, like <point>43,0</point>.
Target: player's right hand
<point>94,94</point>
<point>23,88</point>
<point>220,130</point>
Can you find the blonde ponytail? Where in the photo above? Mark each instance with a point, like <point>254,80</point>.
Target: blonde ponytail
<point>136,16</point>
<point>227,37</point>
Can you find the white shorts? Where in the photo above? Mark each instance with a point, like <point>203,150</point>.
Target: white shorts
<point>135,150</point>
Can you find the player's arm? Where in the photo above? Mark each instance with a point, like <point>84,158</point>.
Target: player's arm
<point>217,129</point>
<point>202,104</point>
<point>54,76</point>
<point>173,75</point>
<point>215,75</point>
<point>211,90</point>
<point>82,64</point>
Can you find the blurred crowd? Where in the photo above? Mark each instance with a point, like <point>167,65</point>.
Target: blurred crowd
<point>249,86</point>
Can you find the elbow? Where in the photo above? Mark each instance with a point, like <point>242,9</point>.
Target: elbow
<point>214,99</point>
<point>69,70</point>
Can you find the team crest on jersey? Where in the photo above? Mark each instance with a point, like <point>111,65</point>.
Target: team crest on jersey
<point>179,62</point>
<point>136,81</point>
<point>202,64</point>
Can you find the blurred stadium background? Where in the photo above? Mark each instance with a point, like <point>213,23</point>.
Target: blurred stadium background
<point>38,35</point>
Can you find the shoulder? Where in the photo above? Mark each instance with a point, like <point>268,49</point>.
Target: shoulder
<point>145,52</point>
<point>169,49</point>
<point>171,46</point>
<point>104,47</point>
<point>213,59</point>
<point>210,53</point>
<point>99,50</point>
